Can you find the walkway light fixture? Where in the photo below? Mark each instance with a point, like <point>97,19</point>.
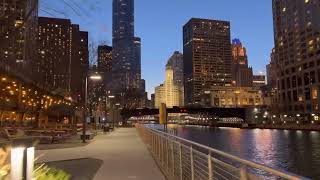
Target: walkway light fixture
<point>93,77</point>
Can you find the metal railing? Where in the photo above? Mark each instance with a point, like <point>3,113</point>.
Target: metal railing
<point>181,159</point>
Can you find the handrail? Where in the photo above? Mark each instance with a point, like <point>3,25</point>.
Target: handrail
<point>183,159</point>
<point>281,173</point>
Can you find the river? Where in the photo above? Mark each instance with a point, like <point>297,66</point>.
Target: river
<point>293,151</point>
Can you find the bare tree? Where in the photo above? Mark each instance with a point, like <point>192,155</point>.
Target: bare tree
<point>93,52</point>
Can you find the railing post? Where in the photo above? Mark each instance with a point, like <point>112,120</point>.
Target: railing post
<point>191,163</point>
<point>172,156</point>
<point>210,173</point>
<point>161,150</point>
<point>159,147</point>
<point>167,153</point>
<point>180,159</point>
<point>243,173</point>
<point>152,143</point>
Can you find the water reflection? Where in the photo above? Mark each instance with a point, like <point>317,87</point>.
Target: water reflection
<point>294,151</point>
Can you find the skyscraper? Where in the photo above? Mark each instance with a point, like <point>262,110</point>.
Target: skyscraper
<point>171,92</point>
<point>18,35</point>
<point>63,55</point>
<point>241,72</point>
<point>105,58</point>
<point>207,57</point>
<point>296,55</point>
<point>174,89</point>
<point>159,96</point>
<point>126,56</point>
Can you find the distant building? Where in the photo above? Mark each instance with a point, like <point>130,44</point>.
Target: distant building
<point>105,58</point>
<point>271,71</point>
<point>235,97</point>
<point>259,81</point>
<point>126,55</point>
<point>159,96</point>
<point>18,38</point>
<point>152,103</point>
<point>63,55</point>
<point>174,89</point>
<point>241,74</point>
<point>207,57</point>
<point>296,55</point>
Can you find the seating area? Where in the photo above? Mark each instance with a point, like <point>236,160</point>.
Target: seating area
<point>43,136</point>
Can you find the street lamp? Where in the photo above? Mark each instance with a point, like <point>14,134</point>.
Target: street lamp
<point>93,77</point>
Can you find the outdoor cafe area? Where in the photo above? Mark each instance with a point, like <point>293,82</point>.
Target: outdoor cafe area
<point>29,111</point>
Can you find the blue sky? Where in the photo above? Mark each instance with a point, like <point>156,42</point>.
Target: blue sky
<point>159,24</point>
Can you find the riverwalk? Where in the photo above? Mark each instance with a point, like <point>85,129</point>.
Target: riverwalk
<point>122,153</point>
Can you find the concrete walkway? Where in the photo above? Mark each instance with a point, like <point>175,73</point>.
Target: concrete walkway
<point>123,153</point>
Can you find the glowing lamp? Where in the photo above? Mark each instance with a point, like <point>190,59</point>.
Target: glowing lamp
<point>95,77</point>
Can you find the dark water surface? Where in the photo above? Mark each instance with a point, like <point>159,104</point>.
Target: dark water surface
<point>293,151</point>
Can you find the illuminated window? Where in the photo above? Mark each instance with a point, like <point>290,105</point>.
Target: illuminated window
<point>314,93</point>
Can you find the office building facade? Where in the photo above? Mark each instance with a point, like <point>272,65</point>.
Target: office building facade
<point>18,35</point>
<point>207,57</point>
<point>105,58</point>
<point>159,96</point>
<point>63,56</point>
<point>296,55</point>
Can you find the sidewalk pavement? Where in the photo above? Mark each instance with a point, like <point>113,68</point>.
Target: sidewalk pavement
<point>123,153</point>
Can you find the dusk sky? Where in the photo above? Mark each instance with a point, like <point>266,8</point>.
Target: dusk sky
<point>159,24</point>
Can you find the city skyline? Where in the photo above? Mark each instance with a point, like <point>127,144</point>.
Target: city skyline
<point>154,55</point>
<point>236,89</point>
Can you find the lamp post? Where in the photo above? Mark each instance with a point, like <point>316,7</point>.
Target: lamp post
<point>93,77</point>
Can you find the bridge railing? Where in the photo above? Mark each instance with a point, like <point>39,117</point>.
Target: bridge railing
<point>180,159</point>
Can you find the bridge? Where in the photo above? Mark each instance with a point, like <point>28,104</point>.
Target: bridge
<point>241,113</point>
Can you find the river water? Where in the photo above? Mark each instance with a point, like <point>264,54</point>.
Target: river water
<point>293,151</point>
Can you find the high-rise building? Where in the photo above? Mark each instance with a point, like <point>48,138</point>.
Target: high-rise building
<point>126,56</point>
<point>174,88</point>
<point>241,72</point>
<point>63,55</point>
<point>159,96</point>
<point>18,34</point>
<point>207,57</point>
<point>171,92</point>
<point>152,101</point>
<point>296,55</point>
<point>105,58</point>
<point>271,73</point>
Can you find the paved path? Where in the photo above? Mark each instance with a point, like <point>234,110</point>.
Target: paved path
<point>123,153</point>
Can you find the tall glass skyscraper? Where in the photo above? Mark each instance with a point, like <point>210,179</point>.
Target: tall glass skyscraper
<point>126,57</point>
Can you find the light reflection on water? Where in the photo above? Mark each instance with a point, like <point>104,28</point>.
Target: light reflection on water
<point>293,151</point>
